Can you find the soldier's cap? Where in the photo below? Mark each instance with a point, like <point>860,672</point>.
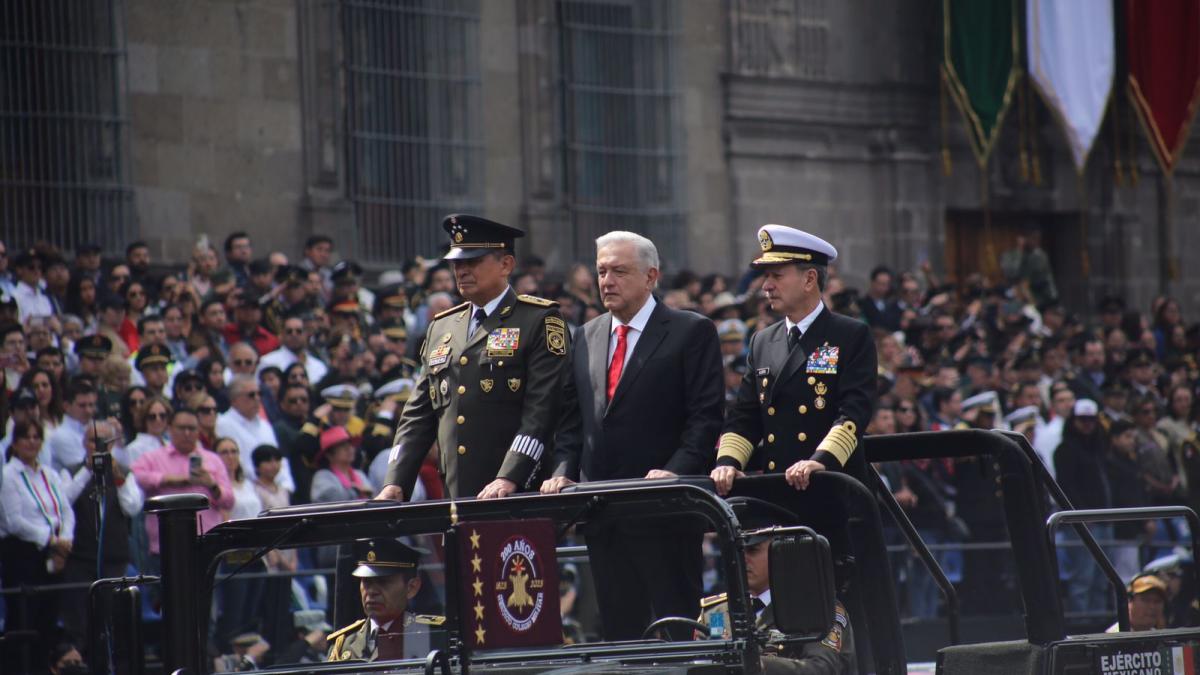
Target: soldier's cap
<point>385,558</point>
<point>1021,415</point>
<point>782,245</point>
<point>292,275</point>
<point>346,272</point>
<point>395,329</point>
<point>340,395</point>
<point>474,237</point>
<point>724,301</point>
<point>400,387</point>
<point>1169,565</point>
<point>152,355</point>
<point>246,640</point>
<point>392,295</point>
<point>986,400</point>
<point>24,397</point>
<point>349,306</point>
<point>1114,387</point>
<point>333,437</point>
<point>188,376</point>
<point>1139,357</point>
<point>1118,427</point>
<point>1147,583</point>
<point>732,330</point>
<point>310,619</point>
<point>1086,407</point>
<point>95,345</point>
<point>756,514</point>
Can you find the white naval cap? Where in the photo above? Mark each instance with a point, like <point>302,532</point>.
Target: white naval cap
<point>1021,415</point>
<point>340,395</point>
<point>987,398</point>
<point>399,386</point>
<point>782,244</point>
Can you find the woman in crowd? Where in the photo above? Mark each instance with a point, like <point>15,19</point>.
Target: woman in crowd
<point>200,269</point>
<point>49,398</point>
<point>296,374</point>
<point>81,301</point>
<point>115,374</point>
<point>212,369</point>
<point>269,381</point>
<point>150,427</point>
<point>337,479</point>
<point>241,598</point>
<point>206,415</point>
<point>267,461</point>
<point>186,385</point>
<point>136,301</point>
<point>246,503</point>
<point>39,528</point>
<point>133,405</point>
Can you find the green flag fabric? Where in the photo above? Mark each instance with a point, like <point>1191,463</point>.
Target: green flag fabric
<point>981,64</point>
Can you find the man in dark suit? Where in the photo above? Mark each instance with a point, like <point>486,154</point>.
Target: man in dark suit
<point>649,392</point>
<point>490,390</point>
<point>809,391</point>
<point>879,308</point>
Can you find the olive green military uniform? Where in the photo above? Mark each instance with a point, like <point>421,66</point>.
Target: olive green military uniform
<point>490,398</point>
<point>834,654</point>
<point>422,634</point>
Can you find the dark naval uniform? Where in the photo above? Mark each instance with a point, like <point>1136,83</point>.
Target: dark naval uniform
<point>361,639</point>
<point>811,401</point>
<point>832,655</point>
<point>490,398</point>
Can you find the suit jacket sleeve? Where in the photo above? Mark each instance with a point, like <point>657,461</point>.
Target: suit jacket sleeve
<point>541,405</point>
<point>743,423</point>
<point>415,435</point>
<point>855,401</point>
<point>704,400</point>
<point>568,439</point>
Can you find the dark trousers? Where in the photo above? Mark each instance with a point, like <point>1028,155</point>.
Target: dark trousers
<point>24,564</point>
<point>75,602</point>
<point>643,573</point>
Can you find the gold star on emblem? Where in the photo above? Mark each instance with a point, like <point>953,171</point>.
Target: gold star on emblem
<point>475,564</point>
<point>478,586</point>
<point>479,633</point>
<point>474,539</point>
<point>479,610</point>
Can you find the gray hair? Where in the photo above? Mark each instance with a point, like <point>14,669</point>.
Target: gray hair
<point>239,383</point>
<point>646,252</point>
<point>822,274</point>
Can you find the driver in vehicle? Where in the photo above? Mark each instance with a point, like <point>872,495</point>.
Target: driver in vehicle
<point>389,578</point>
<point>833,654</point>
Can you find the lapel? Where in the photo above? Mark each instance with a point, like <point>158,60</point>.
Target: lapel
<point>808,342</point>
<point>598,334</point>
<point>496,319</point>
<point>648,342</point>
<point>767,620</point>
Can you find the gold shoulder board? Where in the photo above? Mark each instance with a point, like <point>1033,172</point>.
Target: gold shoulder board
<point>348,629</point>
<point>453,310</point>
<point>713,600</point>
<point>534,300</point>
<point>430,619</point>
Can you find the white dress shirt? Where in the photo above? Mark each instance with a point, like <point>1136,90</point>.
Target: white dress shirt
<point>283,357</point>
<point>129,496</point>
<point>31,301</point>
<point>40,516</point>
<point>489,308</point>
<point>65,445</point>
<point>249,434</point>
<point>637,325</point>
<point>807,321</point>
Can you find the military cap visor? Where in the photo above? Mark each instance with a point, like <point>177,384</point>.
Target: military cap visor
<point>782,245</point>
<point>152,355</point>
<point>474,237</point>
<point>93,345</point>
<point>384,558</point>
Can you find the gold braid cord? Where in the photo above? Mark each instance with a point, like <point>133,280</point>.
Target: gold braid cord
<point>738,447</point>
<point>840,442</point>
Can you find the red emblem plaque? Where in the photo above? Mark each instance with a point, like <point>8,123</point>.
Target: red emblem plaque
<point>509,575</point>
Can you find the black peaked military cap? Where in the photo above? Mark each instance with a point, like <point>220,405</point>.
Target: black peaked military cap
<point>153,355</point>
<point>756,514</point>
<point>473,237</point>
<point>93,345</point>
<point>384,558</point>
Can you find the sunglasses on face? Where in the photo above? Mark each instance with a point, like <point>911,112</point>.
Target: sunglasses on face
<point>207,410</point>
<point>156,416</point>
<point>227,451</point>
<point>293,331</point>
<point>243,362</point>
<point>296,401</point>
<point>250,394</point>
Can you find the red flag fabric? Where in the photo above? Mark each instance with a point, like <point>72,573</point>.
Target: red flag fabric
<point>1163,50</point>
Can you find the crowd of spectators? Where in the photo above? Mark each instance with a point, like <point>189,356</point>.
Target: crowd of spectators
<point>260,382</point>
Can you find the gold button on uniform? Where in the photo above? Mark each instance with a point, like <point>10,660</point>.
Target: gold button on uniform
<point>803,410</point>
<point>770,438</point>
<point>771,410</point>
<point>462,360</point>
<point>461,419</point>
<point>812,380</point>
<point>802,436</point>
<point>771,465</point>
<point>462,450</point>
<point>462,389</point>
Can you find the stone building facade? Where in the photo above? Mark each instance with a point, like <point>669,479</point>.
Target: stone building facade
<point>692,120</point>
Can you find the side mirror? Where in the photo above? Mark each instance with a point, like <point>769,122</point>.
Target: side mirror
<point>802,584</point>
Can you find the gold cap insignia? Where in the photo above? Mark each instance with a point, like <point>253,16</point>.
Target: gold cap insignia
<point>764,240</point>
<point>370,556</point>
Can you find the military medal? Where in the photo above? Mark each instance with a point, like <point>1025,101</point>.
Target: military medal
<point>446,338</point>
<point>824,361</point>
<point>503,342</point>
<point>821,389</point>
<point>819,403</point>
<point>514,383</point>
<point>444,387</point>
<point>439,355</point>
<point>486,385</point>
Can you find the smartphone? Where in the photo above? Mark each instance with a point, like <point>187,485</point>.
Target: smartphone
<point>194,463</point>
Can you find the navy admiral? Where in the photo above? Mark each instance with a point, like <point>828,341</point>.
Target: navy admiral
<point>809,389</point>
<point>388,580</point>
<point>493,368</point>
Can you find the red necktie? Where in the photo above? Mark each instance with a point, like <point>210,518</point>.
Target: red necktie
<point>618,361</point>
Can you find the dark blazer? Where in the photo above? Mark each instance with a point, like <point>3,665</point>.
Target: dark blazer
<point>789,403</point>
<point>666,412</point>
<point>888,317</point>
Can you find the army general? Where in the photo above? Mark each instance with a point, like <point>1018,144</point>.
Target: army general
<point>492,376</point>
<point>809,390</point>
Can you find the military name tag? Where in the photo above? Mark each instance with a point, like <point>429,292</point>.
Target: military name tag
<point>503,341</point>
<point>439,355</point>
<point>823,361</point>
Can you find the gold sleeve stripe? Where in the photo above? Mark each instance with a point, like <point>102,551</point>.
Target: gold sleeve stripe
<point>840,442</point>
<point>735,446</point>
